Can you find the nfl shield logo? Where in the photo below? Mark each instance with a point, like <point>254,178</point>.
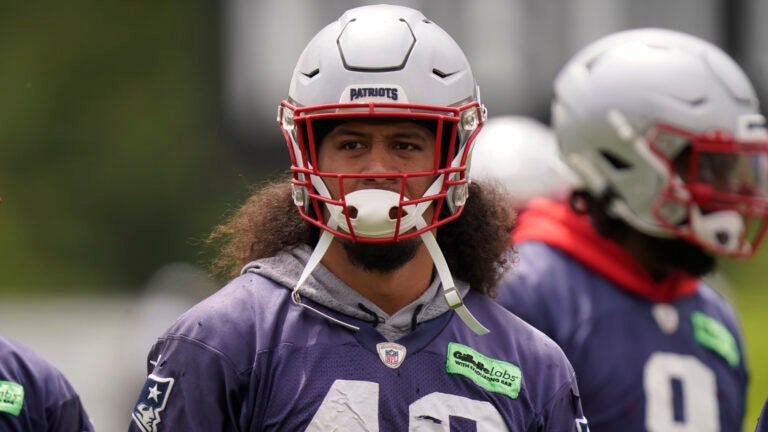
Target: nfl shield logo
<point>391,354</point>
<point>666,317</point>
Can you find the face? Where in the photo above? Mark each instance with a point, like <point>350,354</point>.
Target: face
<point>378,147</point>
<point>725,182</point>
<point>147,415</point>
<point>369,149</point>
<point>717,170</point>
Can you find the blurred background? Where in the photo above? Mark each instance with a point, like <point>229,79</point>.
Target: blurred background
<point>128,130</point>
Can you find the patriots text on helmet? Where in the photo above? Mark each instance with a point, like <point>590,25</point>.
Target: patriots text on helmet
<point>363,92</point>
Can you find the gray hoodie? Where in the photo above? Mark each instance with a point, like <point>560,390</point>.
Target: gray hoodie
<point>323,287</point>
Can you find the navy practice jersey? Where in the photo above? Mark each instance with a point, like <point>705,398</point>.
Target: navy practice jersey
<point>249,359</point>
<point>641,363</point>
<point>35,396</point>
<point>762,421</point>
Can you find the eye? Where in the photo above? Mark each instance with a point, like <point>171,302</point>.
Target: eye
<point>351,145</point>
<point>407,146</point>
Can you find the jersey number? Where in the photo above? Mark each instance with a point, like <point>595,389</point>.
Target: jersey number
<point>354,405</point>
<point>697,394</point>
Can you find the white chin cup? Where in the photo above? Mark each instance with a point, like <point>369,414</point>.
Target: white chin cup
<point>721,229</point>
<point>373,213</point>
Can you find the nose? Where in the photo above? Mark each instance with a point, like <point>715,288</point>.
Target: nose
<point>380,161</point>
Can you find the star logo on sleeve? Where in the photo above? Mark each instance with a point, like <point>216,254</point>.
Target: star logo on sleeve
<point>154,393</point>
<point>152,401</point>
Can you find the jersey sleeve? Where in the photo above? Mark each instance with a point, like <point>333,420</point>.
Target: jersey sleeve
<point>564,412</point>
<point>190,387</point>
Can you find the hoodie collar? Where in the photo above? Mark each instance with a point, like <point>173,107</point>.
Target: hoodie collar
<point>324,288</point>
<point>557,225</point>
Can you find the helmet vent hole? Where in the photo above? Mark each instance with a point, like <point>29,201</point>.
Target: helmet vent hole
<point>616,161</point>
<point>311,74</point>
<point>352,212</point>
<point>393,213</point>
<point>442,74</point>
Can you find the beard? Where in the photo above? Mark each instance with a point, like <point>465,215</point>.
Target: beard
<point>684,255</point>
<point>381,257</point>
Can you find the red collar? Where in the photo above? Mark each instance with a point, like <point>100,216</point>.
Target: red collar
<point>558,225</point>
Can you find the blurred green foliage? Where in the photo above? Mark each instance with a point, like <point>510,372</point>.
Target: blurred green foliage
<point>111,154</point>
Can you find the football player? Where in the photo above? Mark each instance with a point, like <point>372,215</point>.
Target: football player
<point>664,133</point>
<point>362,300</point>
<point>34,395</point>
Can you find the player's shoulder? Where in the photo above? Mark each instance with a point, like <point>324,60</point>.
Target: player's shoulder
<point>546,273</point>
<point>24,362</point>
<point>13,351</point>
<point>25,372</point>
<point>714,303</point>
<point>542,363</point>
<point>712,294</point>
<point>491,311</point>
<point>245,309</point>
<point>238,299</point>
<point>512,332</point>
<point>545,264</point>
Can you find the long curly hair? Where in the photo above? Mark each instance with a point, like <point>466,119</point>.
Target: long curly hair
<point>476,245</point>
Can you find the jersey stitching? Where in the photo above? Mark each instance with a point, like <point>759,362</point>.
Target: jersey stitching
<point>205,346</point>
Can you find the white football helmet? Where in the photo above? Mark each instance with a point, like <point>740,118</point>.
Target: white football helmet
<point>667,125</point>
<point>381,61</point>
<point>520,154</point>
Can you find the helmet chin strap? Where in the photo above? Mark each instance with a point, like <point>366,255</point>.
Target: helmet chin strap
<point>372,220</point>
<point>450,293</point>
<point>320,249</point>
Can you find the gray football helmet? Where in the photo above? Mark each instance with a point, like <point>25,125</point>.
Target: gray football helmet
<point>376,62</point>
<point>667,126</point>
<point>379,62</point>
